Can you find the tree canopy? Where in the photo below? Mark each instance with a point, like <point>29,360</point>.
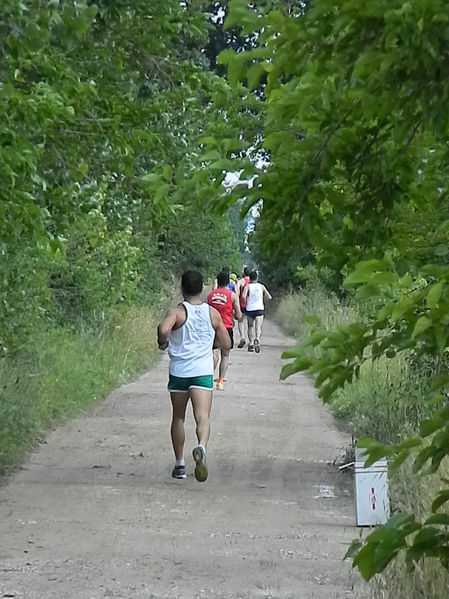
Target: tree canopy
<point>102,108</point>
<point>354,130</point>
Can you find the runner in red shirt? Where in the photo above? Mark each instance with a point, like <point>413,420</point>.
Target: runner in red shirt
<point>227,303</point>
<point>241,284</point>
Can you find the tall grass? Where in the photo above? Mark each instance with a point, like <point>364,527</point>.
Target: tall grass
<point>386,401</point>
<point>388,398</point>
<point>315,300</point>
<point>64,370</point>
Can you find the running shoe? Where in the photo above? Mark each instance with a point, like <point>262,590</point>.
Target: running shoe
<point>256,346</point>
<point>200,464</point>
<point>250,347</point>
<point>179,472</point>
<point>220,386</point>
<point>241,343</point>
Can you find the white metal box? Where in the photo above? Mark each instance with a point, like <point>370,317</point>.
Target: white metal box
<point>371,491</point>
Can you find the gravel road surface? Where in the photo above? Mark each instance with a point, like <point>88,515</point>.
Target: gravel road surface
<point>94,512</point>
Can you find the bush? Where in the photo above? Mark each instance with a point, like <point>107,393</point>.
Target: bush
<point>429,580</point>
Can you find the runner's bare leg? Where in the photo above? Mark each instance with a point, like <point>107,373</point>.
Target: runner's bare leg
<point>224,363</point>
<point>242,325</point>
<point>259,322</point>
<point>251,330</point>
<point>201,403</point>
<point>179,401</point>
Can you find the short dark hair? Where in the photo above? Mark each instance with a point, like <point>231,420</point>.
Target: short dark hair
<point>192,282</point>
<point>253,275</point>
<point>222,279</point>
<point>246,271</point>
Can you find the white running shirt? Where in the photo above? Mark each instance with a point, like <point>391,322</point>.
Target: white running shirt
<point>190,346</point>
<point>255,297</point>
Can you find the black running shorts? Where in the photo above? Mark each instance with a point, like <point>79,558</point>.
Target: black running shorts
<point>254,313</point>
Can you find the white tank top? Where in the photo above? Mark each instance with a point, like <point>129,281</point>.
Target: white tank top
<point>255,297</point>
<point>190,346</point>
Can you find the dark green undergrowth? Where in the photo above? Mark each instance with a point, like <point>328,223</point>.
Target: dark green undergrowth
<point>64,370</point>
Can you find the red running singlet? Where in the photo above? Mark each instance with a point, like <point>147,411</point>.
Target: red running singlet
<point>221,300</point>
<point>243,301</point>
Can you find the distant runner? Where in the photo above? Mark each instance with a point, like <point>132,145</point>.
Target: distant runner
<point>189,331</point>
<point>254,293</point>
<point>225,269</point>
<point>241,284</point>
<point>227,303</point>
<point>232,285</point>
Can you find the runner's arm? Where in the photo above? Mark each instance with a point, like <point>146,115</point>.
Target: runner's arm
<point>236,306</point>
<point>222,338</point>
<point>245,292</point>
<point>165,327</point>
<point>266,293</point>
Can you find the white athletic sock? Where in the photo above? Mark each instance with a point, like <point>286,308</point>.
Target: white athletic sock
<point>180,462</point>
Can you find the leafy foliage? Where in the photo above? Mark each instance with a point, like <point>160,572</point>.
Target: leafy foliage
<point>103,200</point>
<point>102,106</point>
<point>355,129</point>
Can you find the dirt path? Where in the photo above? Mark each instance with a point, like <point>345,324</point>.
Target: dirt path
<point>95,514</point>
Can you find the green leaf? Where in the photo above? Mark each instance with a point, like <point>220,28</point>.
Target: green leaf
<point>353,548</point>
<point>434,295</point>
<point>208,140</point>
<point>430,426</point>
<point>441,499</point>
<point>440,381</point>
<point>161,192</point>
<point>254,74</point>
<point>442,519</point>
<point>151,178</point>
<point>401,307</point>
<point>211,155</point>
<point>422,457</point>
<point>241,15</point>
<point>167,172</point>
<point>301,363</point>
<point>368,291</point>
<point>315,338</point>
<point>411,443</point>
<point>293,352</point>
<point>422,324</point>
<point>224,164</point>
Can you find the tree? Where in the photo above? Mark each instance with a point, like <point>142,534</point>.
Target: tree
<point>102,106</point>
<point>356,127</point>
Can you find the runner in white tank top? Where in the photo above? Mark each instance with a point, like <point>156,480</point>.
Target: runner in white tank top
<point>190,346</point>
<point>254,294</point>
<point>189,331</point>
<point>255,297</point>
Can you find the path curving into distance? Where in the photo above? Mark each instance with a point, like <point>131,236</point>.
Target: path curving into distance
<point>94,512</point>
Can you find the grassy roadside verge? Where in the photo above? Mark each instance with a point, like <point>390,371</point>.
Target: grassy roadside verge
<point>386,401</point>
<point>64,370</point>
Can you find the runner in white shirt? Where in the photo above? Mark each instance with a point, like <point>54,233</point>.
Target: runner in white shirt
<point>189,332</point>
<point>254,294</point>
